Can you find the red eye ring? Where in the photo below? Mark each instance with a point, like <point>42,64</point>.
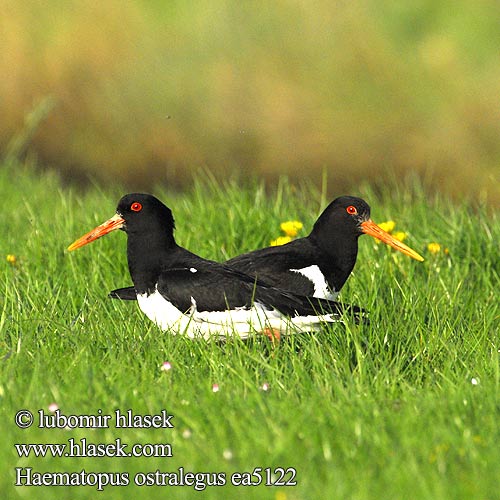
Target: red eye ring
<point>351,210</point>
<point>136,206</point>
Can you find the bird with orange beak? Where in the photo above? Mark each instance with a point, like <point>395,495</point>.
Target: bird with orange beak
<point>186,294</point>
<point>318,264</point>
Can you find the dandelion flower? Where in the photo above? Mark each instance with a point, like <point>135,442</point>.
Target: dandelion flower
<point>434,247</point>
<point>280,240</point>
<point>291,227</point>
<point>387,226</point>
<point>11,259</point>
<point>400,235</point>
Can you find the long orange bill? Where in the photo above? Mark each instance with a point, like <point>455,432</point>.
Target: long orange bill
<point>369,227</point>
<point>116,222</point>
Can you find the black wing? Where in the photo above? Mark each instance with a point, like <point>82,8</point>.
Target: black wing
<point>269,265</point>
<point>218,288</point>
<point>274,264</point>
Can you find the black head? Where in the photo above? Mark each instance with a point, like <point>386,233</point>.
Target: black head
<point>143,213</point>
<point>137,214</point>
<point>344,220</point>
<point>343,216</point>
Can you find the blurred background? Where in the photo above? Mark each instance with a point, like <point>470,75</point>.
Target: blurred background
<point>150,91</point>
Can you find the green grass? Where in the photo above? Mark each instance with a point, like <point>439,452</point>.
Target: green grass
<point>384,410</point>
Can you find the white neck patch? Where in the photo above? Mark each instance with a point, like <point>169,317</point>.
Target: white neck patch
<point>321,288</point>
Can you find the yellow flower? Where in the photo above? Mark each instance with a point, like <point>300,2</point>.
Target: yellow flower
<point>280,240</point>
<point>434,247</point>
<point>387,226</point>
<point>291,227</point>
<point>11,259</point>
<point>400,235</point>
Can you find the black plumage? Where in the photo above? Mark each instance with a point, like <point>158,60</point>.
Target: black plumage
<point>156,261</point>
<point>332,246</point>
<point>186,281</point>
<point>318,264</point>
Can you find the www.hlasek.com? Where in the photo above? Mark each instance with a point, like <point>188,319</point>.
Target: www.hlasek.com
<point>27,476</point>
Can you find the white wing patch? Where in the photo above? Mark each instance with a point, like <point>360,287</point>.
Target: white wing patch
<point>240,322</point>
<point>321,288</point>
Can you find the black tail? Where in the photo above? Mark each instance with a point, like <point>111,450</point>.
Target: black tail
<point>127,293</point>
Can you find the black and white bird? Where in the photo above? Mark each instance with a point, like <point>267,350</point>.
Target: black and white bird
<point>186,294</point>
<point>319,264</point>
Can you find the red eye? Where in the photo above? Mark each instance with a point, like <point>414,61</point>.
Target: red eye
<point>351,210</point>
<point>136,207</point>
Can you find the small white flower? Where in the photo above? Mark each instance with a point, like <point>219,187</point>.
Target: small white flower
<point>474,381</point>
<point>166,366</point>
<point>215,388</point>
<point>227,454</point>
<point>265,386</point>
<point>53,407</point>
<point>186,433</point>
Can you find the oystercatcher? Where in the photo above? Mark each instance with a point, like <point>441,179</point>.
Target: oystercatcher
<point>186,294</point>
<point>319,264</point>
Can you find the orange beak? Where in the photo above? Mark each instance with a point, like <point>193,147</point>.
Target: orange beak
<point>369,227</point>
<point>116,222</point>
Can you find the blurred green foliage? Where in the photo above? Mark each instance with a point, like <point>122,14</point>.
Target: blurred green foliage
<point>148,91</point>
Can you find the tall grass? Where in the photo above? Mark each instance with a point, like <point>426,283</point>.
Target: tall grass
<point>267,88</point>
<point>402,407</point>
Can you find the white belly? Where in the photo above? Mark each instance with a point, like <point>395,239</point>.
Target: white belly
<point>210,324</point>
